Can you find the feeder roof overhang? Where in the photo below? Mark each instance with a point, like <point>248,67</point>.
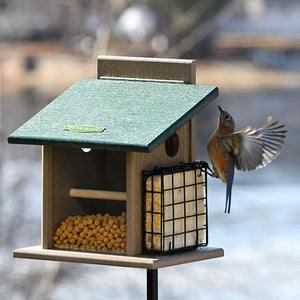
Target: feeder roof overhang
<point>138,116</point>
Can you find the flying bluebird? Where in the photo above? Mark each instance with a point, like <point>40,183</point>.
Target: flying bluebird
<point>244,150</point>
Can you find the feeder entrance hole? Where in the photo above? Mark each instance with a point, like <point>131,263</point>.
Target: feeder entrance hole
<point>172,145</point>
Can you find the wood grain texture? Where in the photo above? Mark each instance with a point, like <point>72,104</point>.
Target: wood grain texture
<point>193,126</point>
<point>47,214</point>
<point>146,262</point>
<point>148,68</point>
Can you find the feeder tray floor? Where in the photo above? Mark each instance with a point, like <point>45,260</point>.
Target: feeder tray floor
<point>142,261</point>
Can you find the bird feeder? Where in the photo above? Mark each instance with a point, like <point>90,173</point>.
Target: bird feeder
<point>102,140</point>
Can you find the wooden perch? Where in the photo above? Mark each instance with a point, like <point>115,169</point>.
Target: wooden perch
<point>98,194</point>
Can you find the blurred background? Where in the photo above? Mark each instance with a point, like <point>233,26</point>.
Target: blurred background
<point>250,49</point>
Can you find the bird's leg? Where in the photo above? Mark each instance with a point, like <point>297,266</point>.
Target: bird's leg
<point>213,173</point>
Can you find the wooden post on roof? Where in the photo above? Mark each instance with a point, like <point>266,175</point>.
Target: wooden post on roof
<point>147,68</point>
<point>158,69</point>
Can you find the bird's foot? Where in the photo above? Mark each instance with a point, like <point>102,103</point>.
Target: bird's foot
<point>213,173</point>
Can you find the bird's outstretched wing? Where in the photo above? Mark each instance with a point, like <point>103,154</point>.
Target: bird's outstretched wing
<point>254,148</point>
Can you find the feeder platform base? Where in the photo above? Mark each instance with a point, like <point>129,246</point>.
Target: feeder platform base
<point>142,261</point>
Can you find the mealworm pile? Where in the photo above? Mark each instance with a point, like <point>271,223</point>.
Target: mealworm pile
<point>99,232</point>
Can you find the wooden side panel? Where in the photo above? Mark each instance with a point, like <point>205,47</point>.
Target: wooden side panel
<point>136,163</point>
<point>150,68</point>
<point>47,178</point>
<point>193,125</point>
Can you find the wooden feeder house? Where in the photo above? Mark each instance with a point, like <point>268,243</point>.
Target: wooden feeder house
<point>119,164</point>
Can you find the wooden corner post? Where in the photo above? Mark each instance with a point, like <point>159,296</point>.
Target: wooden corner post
<point>47,219</point>
<point>157,69</point>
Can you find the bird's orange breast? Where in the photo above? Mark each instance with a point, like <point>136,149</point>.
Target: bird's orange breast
<point>218,157</point>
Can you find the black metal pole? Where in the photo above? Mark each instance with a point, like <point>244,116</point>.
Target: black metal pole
<point>152,284</point>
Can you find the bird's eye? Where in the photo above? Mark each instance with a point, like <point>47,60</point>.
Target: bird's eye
<point>226,117</point>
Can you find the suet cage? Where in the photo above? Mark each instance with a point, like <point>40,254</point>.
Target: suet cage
<point>175,208</point>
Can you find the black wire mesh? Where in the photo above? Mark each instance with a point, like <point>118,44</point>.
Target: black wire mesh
<point>175,208</point>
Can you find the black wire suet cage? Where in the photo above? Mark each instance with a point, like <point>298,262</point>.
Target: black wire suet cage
<point>175,208</point>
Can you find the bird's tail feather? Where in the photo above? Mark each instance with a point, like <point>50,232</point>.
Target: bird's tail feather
<point>228,192</point>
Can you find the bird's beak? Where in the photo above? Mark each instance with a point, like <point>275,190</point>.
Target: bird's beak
<point>220,109</point>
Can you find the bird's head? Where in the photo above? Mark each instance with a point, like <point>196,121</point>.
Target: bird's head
<point>226,122</point>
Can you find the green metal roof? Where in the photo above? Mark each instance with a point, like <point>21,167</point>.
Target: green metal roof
<point>138,116</point>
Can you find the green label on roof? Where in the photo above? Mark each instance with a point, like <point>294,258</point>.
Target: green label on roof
<point>84,128</point>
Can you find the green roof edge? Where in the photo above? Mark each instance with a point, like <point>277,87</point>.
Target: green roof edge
<point>121,147</point>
